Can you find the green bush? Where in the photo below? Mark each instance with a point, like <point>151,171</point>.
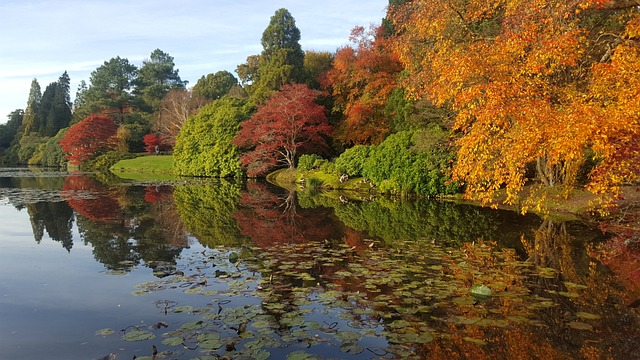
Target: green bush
<point>308,162</point>
<point>103,162</point>
<point>351,161</point>
<point>412,162</point>
<point>204,145</point>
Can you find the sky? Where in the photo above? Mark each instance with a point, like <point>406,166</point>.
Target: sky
<point>43,38</point>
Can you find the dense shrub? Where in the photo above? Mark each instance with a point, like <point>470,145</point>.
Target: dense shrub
<point>103,162</point>
<point>351,161</point>
<point>204,145</point>
<point>308,162</point>
<point>408,162</point>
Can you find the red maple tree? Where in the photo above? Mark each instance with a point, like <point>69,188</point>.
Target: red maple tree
<point>86,139</point>
<point>287,124</point>
<point>151,141</point>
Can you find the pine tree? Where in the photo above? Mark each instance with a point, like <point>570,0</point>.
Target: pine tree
<point>282,59</point>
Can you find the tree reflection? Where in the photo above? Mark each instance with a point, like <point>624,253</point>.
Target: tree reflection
<point>56,218</point>
<point>268,217</point>
<point>122,227</point>
<point>206,211</point>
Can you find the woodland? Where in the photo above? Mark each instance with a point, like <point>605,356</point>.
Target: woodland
<point>471,97</point>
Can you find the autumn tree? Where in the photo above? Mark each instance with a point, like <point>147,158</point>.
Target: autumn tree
<point>361,80</point>
<point>289,123</point>
<point>175,108</point>
<point>88,138</point>
<point>523,79</point>
<point>151,142</point>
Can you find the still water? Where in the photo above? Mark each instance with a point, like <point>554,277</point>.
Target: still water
<point>91,268</point>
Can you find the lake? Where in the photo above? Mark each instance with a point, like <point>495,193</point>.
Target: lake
<point>92,267</point>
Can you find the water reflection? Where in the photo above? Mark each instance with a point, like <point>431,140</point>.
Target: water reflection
<point>388,276</point>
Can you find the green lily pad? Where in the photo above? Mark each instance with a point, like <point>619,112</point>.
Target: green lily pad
<point>351,348</point>
<point>580,326</point>
<point>173,341</point>
<point>137,335</point>
<point>480,291</point>
<point>300,355</point>
<point>587,316</point>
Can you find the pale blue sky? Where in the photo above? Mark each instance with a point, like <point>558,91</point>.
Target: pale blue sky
<point>43,38</point>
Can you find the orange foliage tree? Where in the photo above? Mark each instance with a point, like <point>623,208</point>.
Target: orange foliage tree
<point>361,81</point>
<point>532,83</point>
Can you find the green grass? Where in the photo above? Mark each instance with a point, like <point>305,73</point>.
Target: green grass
<point>151,164</point>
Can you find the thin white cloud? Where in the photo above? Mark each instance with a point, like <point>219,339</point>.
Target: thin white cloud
<point>43,38</point>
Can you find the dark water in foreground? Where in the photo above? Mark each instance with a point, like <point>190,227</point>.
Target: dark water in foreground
<point>207,269</point>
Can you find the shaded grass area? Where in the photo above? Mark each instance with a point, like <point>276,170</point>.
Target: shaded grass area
<point>149,167</point>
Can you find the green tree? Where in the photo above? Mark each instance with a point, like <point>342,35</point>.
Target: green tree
<point>80,108</point>
<point>316,66</point>
<point>9,130</point>
<point>204,145</point>
<point>215,86</point>
<point>33,103</point>
<point>110,89</point>
<point>155,78</point>
<point>55,106</point>
<point>282,59</point>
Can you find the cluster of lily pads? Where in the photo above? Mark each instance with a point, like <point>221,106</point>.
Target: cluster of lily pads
<point>329,300</point>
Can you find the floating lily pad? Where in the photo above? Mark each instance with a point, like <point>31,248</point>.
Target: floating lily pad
<point>351,348</point>
<point>137,335</point>
<point>587,316</point>
<point>480,291</point>
<point>580,326</point>
<point>173,341</point>
<point>300,355</point>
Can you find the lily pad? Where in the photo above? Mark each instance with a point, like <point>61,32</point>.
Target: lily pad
<point>480,291</point>
<point>580,326</point>
<point>137,335</point>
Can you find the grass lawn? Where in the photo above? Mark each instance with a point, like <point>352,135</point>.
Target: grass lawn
<point>155,164</point>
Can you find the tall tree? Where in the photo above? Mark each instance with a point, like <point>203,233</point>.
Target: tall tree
<point>58,113</point>
<point>289,123</point>
<point>30,121</point>
<point>282,59</point>
<point>215,86</point>
<point>110,88</point>
<point>155,78</point>
<point>9,131</point>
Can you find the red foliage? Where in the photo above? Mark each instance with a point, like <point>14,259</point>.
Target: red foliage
<point>361,81</point>
<point>154,194</point>
<point>262,219</point>
<point>288,123</point>
<point>90,200</point>
<point>89,137</point>
<point>151,141</point>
